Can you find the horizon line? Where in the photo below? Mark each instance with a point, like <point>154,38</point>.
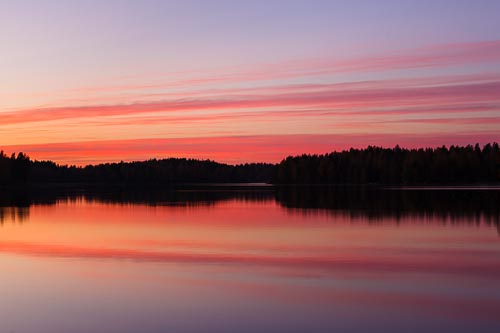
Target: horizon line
<point>434,147</point>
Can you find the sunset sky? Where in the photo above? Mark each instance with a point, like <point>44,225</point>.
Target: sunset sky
<point>244,81</point>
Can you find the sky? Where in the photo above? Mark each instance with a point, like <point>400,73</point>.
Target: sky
<point>244,81</point>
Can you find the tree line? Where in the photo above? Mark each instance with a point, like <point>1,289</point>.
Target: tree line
<point>372,165</point>
<point>376,165</point>
<point>19,168</point>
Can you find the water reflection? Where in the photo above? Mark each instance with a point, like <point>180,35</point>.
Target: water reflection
<point>14,214</point>
<point>249,259</point>
<point>372,205</point>
<point>467,205</point>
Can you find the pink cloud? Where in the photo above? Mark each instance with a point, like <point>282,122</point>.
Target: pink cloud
<point>348,99</point>
<point>449,102</point>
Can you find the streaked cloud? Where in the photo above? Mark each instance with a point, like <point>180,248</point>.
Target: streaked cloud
<point>263,113</point>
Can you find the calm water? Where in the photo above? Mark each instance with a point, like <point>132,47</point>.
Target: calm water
<point>250,259</point>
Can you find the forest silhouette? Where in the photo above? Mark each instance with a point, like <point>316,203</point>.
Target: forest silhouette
<point>372,165</point>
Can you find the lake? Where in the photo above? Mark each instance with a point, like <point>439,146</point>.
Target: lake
<point>250,259</point>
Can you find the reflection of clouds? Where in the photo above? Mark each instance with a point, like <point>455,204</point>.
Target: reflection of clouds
<point>14,214</point>
<point>473,262</point>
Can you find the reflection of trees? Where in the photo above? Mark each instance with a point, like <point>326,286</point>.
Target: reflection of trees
<point>179,196</point>
<point>14,214</point>
<point>14,205</point>
<point>373,204</point>
<point>192,195</point>
<point>376,204</point>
